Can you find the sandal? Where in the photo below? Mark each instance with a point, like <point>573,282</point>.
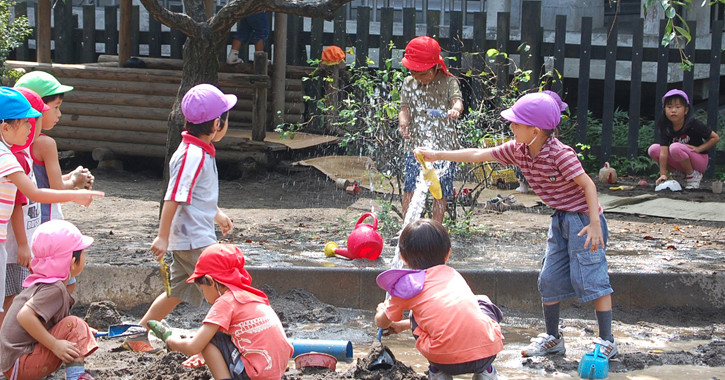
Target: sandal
<point>141,345</point>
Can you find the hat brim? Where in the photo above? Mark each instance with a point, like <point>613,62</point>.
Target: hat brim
<point>231,101</point>
<point>86,241</point>
<point>416,66</point>
<point>390,281</point>
<point>509,115</point>
<point>62,89</point>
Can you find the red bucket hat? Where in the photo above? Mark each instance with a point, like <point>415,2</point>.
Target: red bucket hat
<point>225,263</point>
<point>422,53</point>
<point>37,103</point>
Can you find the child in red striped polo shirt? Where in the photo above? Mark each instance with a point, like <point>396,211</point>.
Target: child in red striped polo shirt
<point>575,262</point>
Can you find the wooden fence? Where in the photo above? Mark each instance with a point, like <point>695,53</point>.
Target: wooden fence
<point>80,45</point>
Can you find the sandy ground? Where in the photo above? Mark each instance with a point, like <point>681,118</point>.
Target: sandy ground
<point>287,218</point>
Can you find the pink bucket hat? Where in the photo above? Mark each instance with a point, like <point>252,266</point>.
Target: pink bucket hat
<point>403,283</point>
<point>205,102</point>
<point>673,93</point>
<point>37,103</point>
<point>52,245</point>
<point>538,109</point>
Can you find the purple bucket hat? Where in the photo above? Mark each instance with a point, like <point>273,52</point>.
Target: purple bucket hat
<point>205,102</point>
<point>538,109</point>
<point>402,283</point>
<point>673,93</point>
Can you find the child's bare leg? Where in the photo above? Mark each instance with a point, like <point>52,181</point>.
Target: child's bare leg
<point>215,362</point>
<point>259,45</point>
<point>71,287</point>
<point>236,44</point>
<point>439,209</point>
<point>407,196</point>
<point>603,303</point>
<point>159,309</point>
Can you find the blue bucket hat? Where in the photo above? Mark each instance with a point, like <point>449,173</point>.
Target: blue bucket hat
<point>14,105</point>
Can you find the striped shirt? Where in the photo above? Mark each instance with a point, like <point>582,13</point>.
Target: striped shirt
<point>550,173</point>
<point>8,165</point>
<point>194,185</point>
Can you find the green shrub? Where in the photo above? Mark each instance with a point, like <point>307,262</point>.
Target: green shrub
<point>12,33</point>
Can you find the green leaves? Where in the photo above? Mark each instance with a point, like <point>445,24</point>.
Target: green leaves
<point>12,31</point>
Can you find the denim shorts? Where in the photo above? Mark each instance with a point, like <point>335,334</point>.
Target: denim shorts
<point>252,29</point>
<point>569,269</point>
<point>446,170</point>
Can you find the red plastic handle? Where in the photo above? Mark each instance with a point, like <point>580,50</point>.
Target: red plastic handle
<point>364,216</point>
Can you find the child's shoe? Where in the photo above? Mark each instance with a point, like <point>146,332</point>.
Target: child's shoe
<point>489,374</point>
<point>693,180</point>
<point>140,344</point>
<point>438,375</point>
<point>607,348</point>
<point>545,344</point>
<point>233,57</point>
<point>86,376</point>
<point>523,187</point>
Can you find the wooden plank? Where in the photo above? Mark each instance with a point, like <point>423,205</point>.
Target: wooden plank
<point>362,36</point>
<point>532,37</point>
<point>316,34</point>
<point>662,68</point>
<point>479,57</point>
<point>455,38</point>
<point>103,122</point>
<point>135,30</point>
<point>409,23</point>
<point>340,29</point>
<point>99,134</point>
<point>63,32</point>
<point>295,55</point>
<point>42,26</point>
<point>386,35</point>
<point>177,37</point>
<point>583,87</point>
<point>635,89</point>
<point>131,149</point>
<point>559,45</point>
<point>88,52</point>
<point>259,117</point>
<point>688,76</point>
<point>433,23</point>
<point>610,72</point>
<point>111,30</point>
<point>503,20</point>
<point>714,89</point>
<point>112,110</point>
<point>121,99</point>
<point>22,52</point>
<point>124,35</point>
<point>154,38</point>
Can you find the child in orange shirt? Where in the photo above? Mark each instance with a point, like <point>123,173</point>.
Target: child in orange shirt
<point>466,341</point>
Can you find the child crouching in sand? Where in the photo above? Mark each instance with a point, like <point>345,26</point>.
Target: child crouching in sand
<point>38,334</point>
<point>241,338</point>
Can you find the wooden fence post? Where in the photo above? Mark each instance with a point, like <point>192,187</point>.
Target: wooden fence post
<point>279,75</point>
<point>259,113</point>
<point>124,36</point>
<point>42,35</point>
<point>479,60</point>
<point>610,76</point>
<point>585,55</point>
<point>340,26</point>
<point>635,89</point>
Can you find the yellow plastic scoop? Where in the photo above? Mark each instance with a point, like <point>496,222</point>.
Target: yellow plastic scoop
<point>165,276</point>
<point>430,175</point>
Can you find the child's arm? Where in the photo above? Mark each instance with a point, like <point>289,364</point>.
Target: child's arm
<point>712,140</point>
<point>195,344</point>
<point>63,349</point>
<point>664,158</point>
<point>404,122</point>
<point>461,155</point>
<point>27,187</point>
<point>46,150</point>
<point>381,319</point>
<point>224,222</point>
<point>18,222</point>
<point>456,109</point>
<point>161,242</point>
<point>594,229</point>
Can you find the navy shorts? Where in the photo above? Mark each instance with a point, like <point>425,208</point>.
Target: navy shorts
<point>446,170</point>
<point>231,355</point>
<point>252,29</point>
<point>569,269</point>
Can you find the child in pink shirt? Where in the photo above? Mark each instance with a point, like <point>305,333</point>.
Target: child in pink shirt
<point>241,338</point>
<point>464,341</point>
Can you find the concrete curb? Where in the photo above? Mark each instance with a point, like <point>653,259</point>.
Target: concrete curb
<point>130,286</point>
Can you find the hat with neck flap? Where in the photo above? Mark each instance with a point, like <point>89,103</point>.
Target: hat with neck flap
<point>53,244</point>
<point>422,53</point>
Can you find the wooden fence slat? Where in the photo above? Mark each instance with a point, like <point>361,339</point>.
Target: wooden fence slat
<point>340,29</point>
<point>42,35</point>
<point>635,88</point>
<point>713,99</point>
<point>135,29</point>
<point>63,32</point>
<point>88,52</point>
<point>433,23</point>
<point>22,52</point>
<point>479,59</point>
<point>532,37</point>
<point>584,70</point>
<point>177,37</point>
<point>259,116</point>
<point>409,24</point>
<point>154,38</point>
<point>662,68</point>
<point>559,46</point>
<point>386,35</point>
<point>362,37</point>
<point>316,35</point>
<point>610,73</point>
<point>503,20</point>
<point>455,38</point>
<point>111,29</point>
<point>296,54</point>
<point>688,76</point>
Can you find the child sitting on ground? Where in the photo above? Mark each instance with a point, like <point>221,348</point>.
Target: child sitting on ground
<point>464,341</point>
<point>242,337</point>
<point>574,263</point>
<point>39,334</point>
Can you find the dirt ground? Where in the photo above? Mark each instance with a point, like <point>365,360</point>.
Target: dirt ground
<point>297,212</point>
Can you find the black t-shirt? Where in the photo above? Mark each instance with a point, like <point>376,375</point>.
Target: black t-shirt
<point>694,133</point>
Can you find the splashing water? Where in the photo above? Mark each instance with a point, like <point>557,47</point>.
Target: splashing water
<point>415,209</point>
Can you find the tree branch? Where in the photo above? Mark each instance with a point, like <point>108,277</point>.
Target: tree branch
<point>171,19</point>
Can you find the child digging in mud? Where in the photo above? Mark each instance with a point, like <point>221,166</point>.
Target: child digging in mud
<point>575,262</point>
<point>464,341</point>
<point>38,334</point>
<point>241,338</point>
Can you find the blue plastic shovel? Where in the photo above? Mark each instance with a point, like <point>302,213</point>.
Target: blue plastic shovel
<point>116,330</point>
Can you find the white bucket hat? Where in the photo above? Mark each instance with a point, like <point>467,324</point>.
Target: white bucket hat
<point>669,184</point>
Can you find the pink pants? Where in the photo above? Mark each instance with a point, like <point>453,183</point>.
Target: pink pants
<point>678,153</point>
<point>42,362</point>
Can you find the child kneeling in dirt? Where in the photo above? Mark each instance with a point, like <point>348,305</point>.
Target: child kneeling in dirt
<point>241,338</point>
<point>38,334</point>
<point>464,341</point>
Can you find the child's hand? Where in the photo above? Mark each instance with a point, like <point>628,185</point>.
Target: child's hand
<point>81,177</point>
<point>594,236</point>
<point>427,153</point>
<point>159,247</point>
<point>195,361</point>
<point>85,197</point>
<point>381,306</point>
<point>224,222</point>
<point>397,327</point>
<point>65,350</point>
<point>24,255</point>
<point>662,177</point>
<point>453,114</point>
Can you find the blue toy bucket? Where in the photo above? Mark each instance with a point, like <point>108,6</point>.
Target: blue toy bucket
<point>594,365</point>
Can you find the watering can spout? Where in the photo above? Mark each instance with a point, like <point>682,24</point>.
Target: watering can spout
<point>364,241</point>
<point>345,253</point>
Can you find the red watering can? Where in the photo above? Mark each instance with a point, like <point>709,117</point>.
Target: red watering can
<point>364,241</point>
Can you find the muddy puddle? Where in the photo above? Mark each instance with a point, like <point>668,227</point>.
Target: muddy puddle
<point>651,345</point>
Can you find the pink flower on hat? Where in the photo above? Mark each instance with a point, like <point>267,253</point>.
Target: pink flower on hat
<point>52,245</point>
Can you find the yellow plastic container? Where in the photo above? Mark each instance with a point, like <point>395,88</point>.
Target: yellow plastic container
<point>430,175</point>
